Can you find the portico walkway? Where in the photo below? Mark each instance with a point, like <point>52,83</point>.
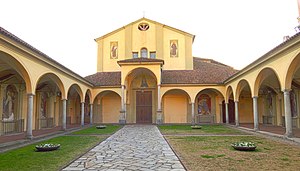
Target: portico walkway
<point>134,147</point>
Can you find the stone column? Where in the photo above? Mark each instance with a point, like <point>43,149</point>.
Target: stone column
<point>193,113</point>
<point>288,114</point>
<point>82,114</point>
<point>255,113</point>
<point>227,114</point>
<point>91,114</point>
<point>122,119</point>
<point>236,105</point>
<point>64,114</point>
<point>29,116</point>
<point>159,112</point>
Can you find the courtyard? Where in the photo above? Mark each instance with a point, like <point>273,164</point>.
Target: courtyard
<point>151,147</point>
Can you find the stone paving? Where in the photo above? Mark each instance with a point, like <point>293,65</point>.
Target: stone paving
<point>134,147</point>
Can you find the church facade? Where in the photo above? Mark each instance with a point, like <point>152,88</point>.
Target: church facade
<point>146,74</point>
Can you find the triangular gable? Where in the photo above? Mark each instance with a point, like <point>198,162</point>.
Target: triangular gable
<point>146,19</point>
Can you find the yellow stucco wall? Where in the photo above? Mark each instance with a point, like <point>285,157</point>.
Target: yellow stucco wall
<point>245,110</point>
<point>175,108</point>
<point>155,39</point>
<point>111,108</point>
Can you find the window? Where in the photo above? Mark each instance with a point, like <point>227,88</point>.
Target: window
<point>143,26</point>
<point>135,54</point>
<point>152,55</point>
<point>144,53</point>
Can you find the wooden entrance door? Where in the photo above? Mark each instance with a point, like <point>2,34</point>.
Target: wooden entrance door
<point>143,106</point>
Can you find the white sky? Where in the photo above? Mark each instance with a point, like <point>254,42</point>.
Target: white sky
<point>234,32</point>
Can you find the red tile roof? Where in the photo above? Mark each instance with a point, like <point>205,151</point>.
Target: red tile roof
<point>105,78</point>
<point>206,71</point>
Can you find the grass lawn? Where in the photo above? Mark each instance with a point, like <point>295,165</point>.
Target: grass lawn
<point>26,158</point>
<point>215,153</point>
<point>110,129</point>
<point>206,129</point>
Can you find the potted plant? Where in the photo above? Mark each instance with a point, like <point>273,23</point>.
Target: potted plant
<point>196,127</point>
<point>244,146</point>
<point>101,126</point>
<point>47,147</point>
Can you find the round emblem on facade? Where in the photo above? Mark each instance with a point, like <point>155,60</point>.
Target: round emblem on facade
<point>143,26</point>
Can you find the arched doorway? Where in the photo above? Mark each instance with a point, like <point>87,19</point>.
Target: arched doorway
<point>208,105</point>
<point>231,108</point>
<point>269,97</point>
<point>141,95</point>
<point>176,106</point>
<point>106,107</point>
<point>87,109</point>
<point>14,86</point>
<point>48,92</point>
<point>245,104</point>
<point>74,106</point>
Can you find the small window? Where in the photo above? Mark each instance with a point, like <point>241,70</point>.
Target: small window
<point>144,53</point>
<point>135,54</point>
<point>153,55</point>
<point>143,26</point>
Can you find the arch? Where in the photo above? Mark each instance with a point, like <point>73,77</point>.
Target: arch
<point>104,92</point>
<point>17,65</point>
<point>229,91</point>
<point>136,72</point>
<point>78,90</point>
<point>263,75</point>
<point>176,106</point>
<point>88,92</point>
<point>241,85</point>
<point>55,79</point>
<point>175,89</point>
<point>211,89</point>
<point>107,106</point>
<point>292,68</point>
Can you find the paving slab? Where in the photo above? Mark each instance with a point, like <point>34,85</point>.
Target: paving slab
<point>134,147</point>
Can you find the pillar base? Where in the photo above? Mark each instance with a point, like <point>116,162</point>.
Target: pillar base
<point>255,129</point>
<point>122,122</point>
<point>30,137</point>
<point>288,135</point>
<point>159,120</point>
<point>122,119</point>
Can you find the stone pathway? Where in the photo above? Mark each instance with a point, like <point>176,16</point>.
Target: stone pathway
<point>134,147</point>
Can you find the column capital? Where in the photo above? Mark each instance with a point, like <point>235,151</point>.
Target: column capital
<point>30,94</point>
<point>82,102</point>
<point>254,97</point>
<point>236,101</point>
<point>286,90</point>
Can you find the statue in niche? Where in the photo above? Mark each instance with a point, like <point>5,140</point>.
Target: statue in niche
<point>270,103</point>
<point>174,48</point>
<point>114,50</point>
<point>9,103</point>
<point>43,105</point>
<point>204,104</point>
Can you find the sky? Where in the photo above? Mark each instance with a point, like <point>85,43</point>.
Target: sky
<point>233,32</point>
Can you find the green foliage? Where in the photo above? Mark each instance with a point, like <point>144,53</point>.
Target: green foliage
<point>26,158</point>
